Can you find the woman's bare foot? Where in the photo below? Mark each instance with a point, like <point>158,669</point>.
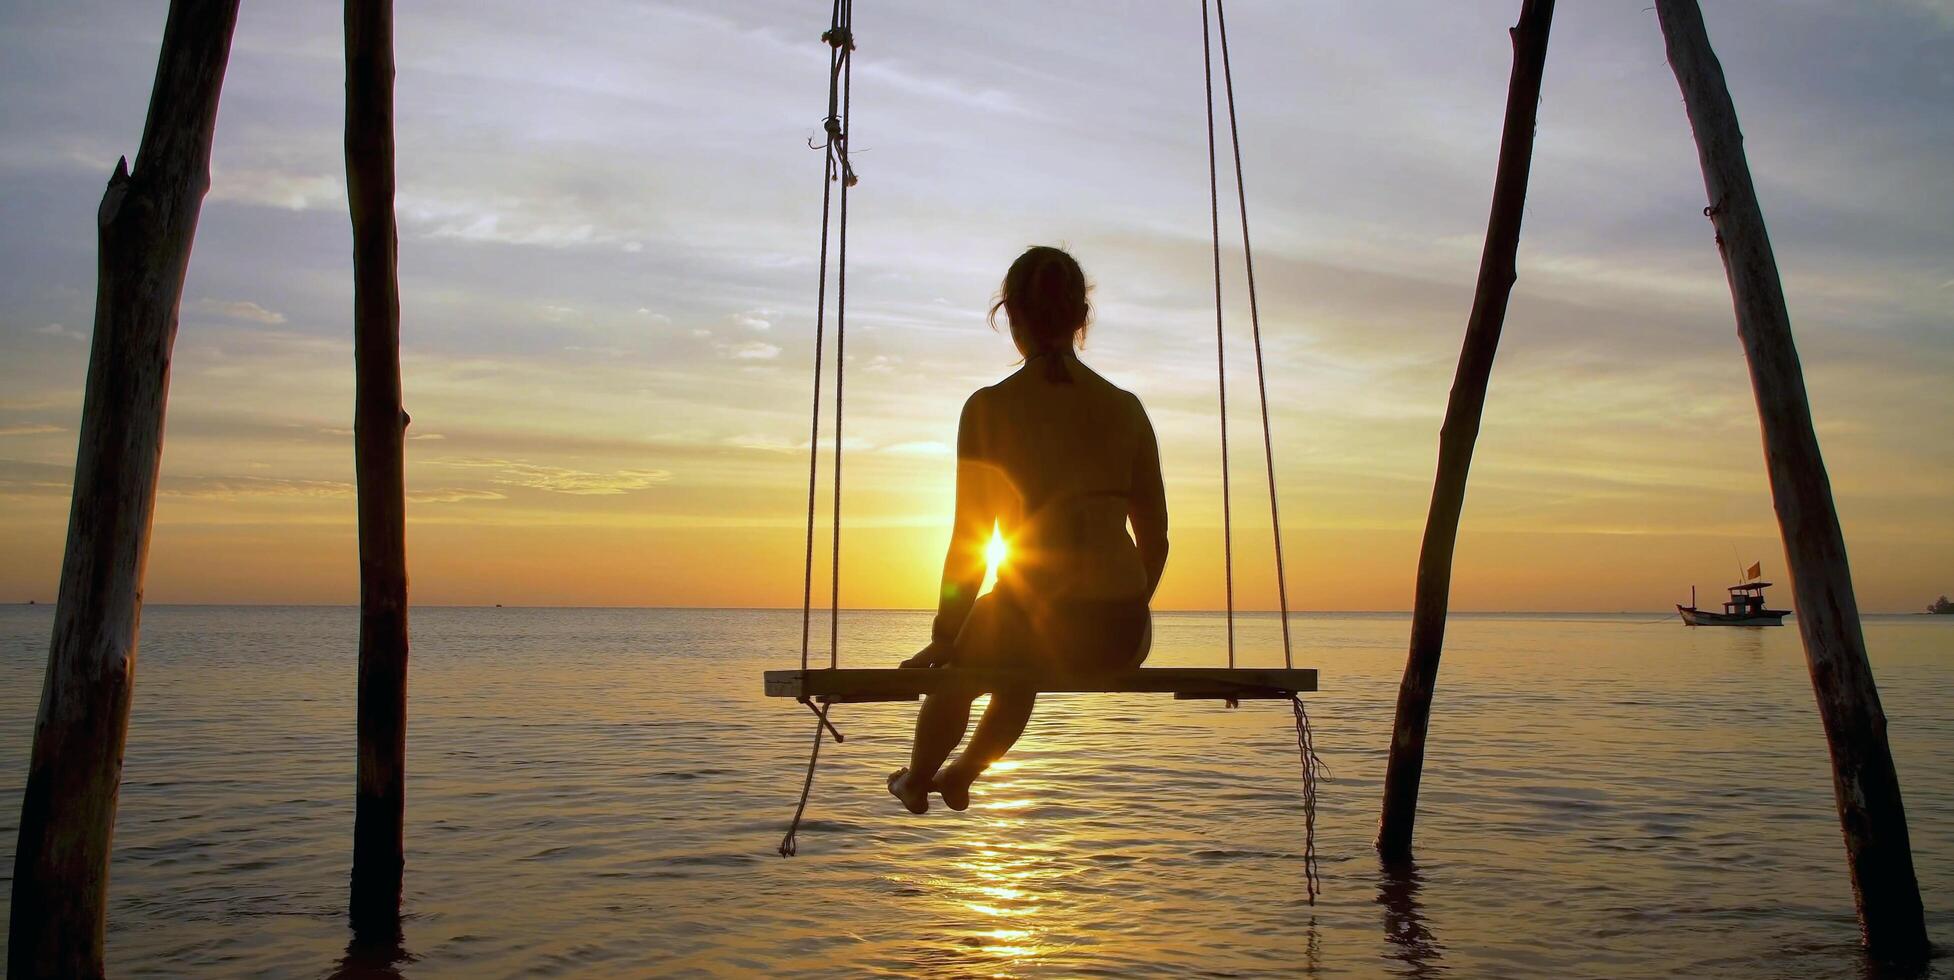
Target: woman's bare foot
<point>953,784</point>
<point>914,799</point>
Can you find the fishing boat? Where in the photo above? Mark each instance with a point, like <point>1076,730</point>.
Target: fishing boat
<point>1745,608</point>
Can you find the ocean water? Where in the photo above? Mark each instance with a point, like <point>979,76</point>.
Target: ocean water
<point>600,792</point>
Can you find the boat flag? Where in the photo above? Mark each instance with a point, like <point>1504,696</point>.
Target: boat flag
<point>1755,570</point>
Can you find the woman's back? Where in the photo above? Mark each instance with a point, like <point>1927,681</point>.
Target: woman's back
<point>1066,457</point>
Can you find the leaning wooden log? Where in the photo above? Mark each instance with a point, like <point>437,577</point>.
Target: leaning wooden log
<point>1864,783</point>
<point>379,427</point>
<point>1497,272</point>
<point>144,228</point>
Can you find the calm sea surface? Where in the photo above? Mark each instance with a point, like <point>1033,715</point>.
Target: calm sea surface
<point>599,792</point>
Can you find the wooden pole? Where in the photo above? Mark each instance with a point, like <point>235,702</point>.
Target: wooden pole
<point>379,428</point>
<point>1864,783</point>
<point>144,228</point>
<point>1462,412</point>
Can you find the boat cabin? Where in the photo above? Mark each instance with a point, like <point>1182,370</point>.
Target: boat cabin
<point>1746,599</point>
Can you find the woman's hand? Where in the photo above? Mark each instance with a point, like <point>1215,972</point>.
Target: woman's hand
<point>937,654</point>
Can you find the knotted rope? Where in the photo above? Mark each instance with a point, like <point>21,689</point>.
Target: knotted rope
<point>790,844</point>
<point>1313,771</point>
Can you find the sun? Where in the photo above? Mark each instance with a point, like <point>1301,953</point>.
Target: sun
<point>995,552</point>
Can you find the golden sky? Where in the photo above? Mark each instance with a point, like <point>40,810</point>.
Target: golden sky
<point>608,239</point>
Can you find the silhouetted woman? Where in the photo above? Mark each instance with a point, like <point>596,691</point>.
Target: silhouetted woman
<point>1060,461</point>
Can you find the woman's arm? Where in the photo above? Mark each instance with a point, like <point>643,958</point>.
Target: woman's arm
<point>976,515</point>
<point>1147,504</point>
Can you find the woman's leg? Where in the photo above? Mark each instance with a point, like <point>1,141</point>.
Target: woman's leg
<point>1105,636</point>
<point>1003,722</point>
<point>939,727</point>
<point>944,717</point>
<point>997,634</point>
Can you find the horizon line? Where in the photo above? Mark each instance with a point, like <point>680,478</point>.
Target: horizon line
<point>925,609</point>
<point>854,609</point>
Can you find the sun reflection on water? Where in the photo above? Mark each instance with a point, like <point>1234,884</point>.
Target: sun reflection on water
<point>1002,886</point>
<point>1004,805</point>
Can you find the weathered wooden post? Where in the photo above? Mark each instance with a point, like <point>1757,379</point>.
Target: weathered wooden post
<point>379,428</point>
<point>144,228</point>
<point>1462,412</point>
<point>1864,783</point>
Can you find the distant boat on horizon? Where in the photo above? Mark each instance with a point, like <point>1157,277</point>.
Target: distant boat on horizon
<point>1745,608</point>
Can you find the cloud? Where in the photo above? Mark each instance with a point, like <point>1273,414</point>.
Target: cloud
<point>278,189</point>
<point>57,330</point>
<point>751,350</point>
<point>16,487</point>
<point>562,479</point>
<point>267,487</point>
<point>452,495</point>
<point>29,429</point>
<point>1941,10</point>
<point>764,443</point>
<point>502,222</point>
<point>754,320</point>
<point>242,309</point>
<point>237,487</point>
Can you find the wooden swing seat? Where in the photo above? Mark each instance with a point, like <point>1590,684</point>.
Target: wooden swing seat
<point>846,685</point>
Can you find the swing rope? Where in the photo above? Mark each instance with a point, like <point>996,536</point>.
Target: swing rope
<point>842,40</point>
<point>1254,309</point>
<point>835,168</point>
<point>1220,353</point>
<point>1312,766</point>
<point>814,416</point>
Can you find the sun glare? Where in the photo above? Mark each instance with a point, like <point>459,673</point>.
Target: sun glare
<point>995,552</point>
